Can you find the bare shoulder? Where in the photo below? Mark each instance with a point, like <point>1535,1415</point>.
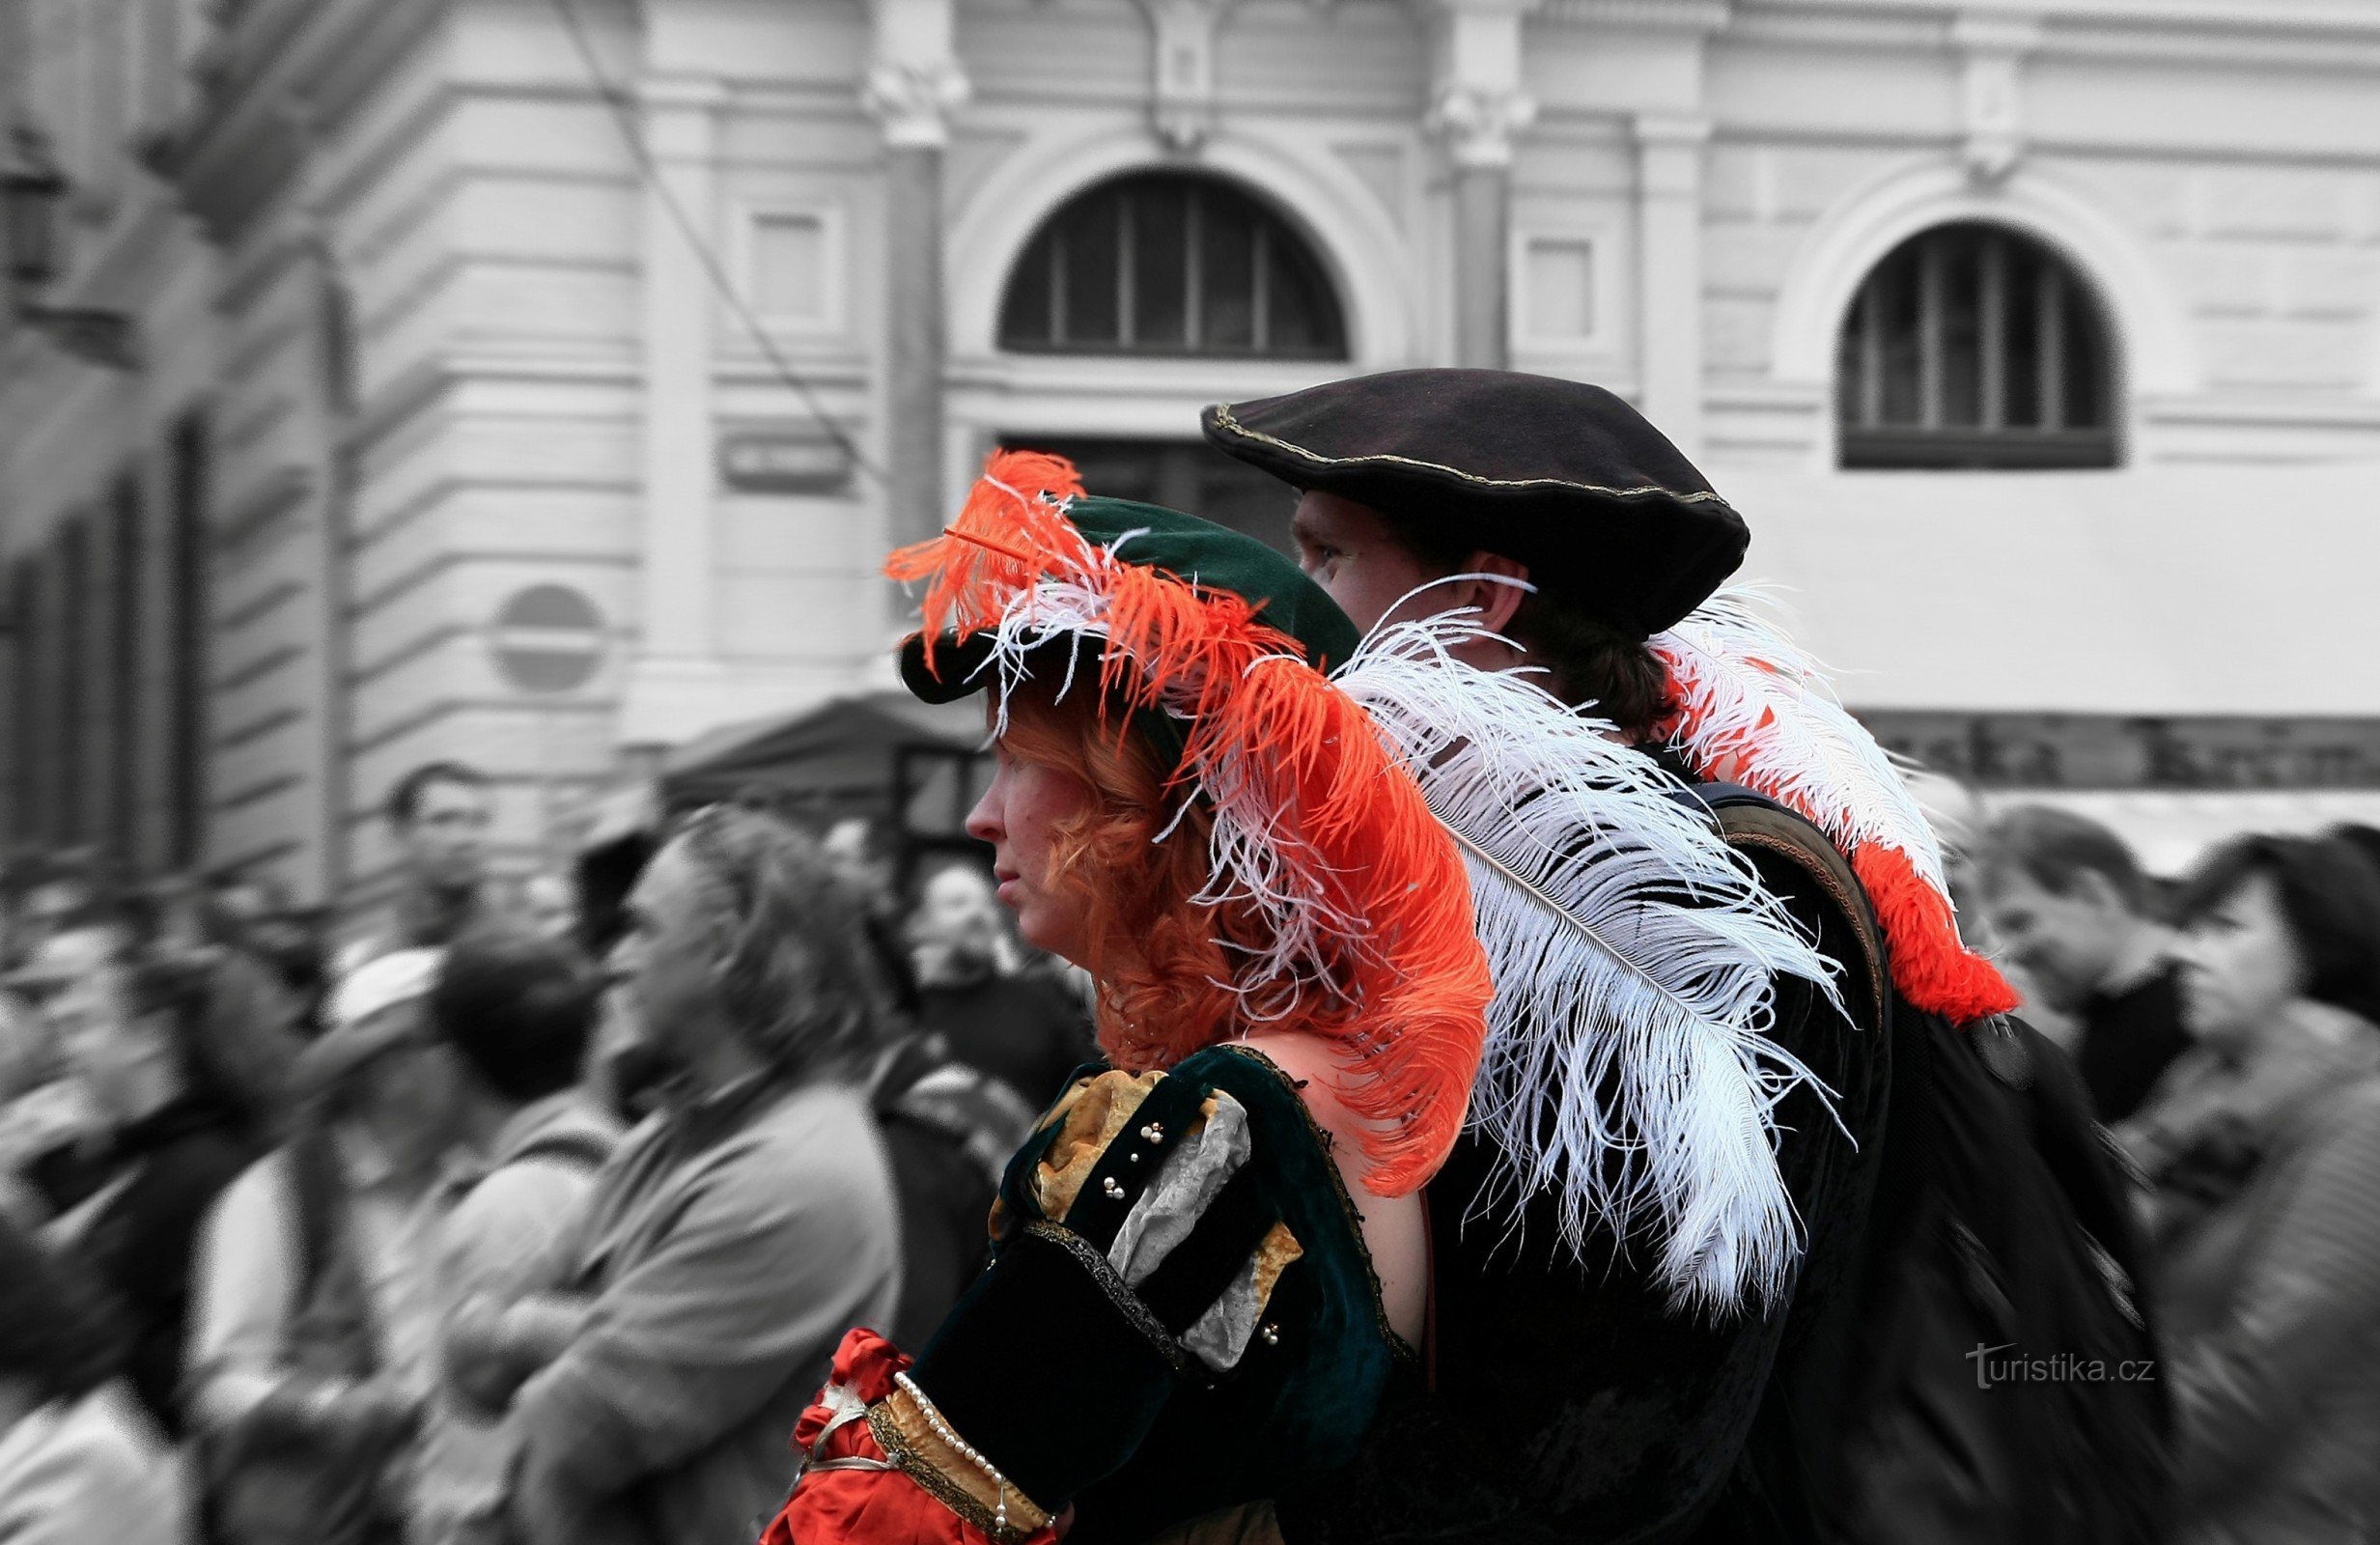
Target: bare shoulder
<point>1394,1229</point>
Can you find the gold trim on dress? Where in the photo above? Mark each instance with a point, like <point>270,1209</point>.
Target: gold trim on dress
<point>909,1439</point>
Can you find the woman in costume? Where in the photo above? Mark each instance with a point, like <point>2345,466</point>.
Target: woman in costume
<point>1210,1260</point>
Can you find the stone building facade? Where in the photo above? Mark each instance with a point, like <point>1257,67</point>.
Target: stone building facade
<point>538,382</point>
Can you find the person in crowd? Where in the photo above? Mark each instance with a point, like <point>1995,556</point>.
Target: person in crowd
<point>165,1138</point>
<point>79,1459</point>
<point>317,1308</point>
<point>550,905</point>
<point>1025,1028</point>
<point>859,850</point>
<point>440,814</point>
<point>1209,1262</point>
<point>1658,1371</point>
<point>517,1009</point>
<point>648,1388</point>
<point>2069,905</point>
<point>2262,1144</point>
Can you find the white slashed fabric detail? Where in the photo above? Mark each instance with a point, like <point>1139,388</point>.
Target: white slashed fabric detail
<point>1192,1169</point>
<point>1629,1067</point>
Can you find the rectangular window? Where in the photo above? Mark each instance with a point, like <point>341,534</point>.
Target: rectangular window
<point>792,268</point>
<point>1559,288</point>
<point>126,754</point>
<point>70,725</point>
<point>25,701</point>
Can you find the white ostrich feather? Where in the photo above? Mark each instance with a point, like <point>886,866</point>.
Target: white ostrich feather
<point>1629,1067</point>
<point>1753,703</point>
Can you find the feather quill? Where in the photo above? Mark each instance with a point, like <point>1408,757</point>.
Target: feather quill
<point>1629,1068</point>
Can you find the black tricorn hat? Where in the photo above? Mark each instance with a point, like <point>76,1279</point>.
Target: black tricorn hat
<point>1563,476</point>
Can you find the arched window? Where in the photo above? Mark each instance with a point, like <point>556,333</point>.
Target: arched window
<point>1168,263</point>
<point>1973,346</point>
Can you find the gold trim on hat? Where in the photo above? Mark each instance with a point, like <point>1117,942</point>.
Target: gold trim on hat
<point>1224,420</point>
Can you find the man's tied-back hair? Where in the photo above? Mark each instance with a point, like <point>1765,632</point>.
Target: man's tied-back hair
<point>2053,847</point>
<point>795,975</point>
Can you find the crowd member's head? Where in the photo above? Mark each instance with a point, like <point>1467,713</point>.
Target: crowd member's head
<point>517,1009</point>
<point>956,933</point>
<point>856,850</point>
<point>127,1056</point>
<point>743,954</point>
<point>550,905</point>
<point>2067,901</point>
<point>57,1340</point>
<point>440,813</point>
<point>379,1064</point>
<point>2270,920</point>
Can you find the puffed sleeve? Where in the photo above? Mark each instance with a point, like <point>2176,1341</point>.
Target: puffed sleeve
<point>1136,1248</point>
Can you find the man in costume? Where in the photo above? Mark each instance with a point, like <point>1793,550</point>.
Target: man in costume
<point>1652,1243</point>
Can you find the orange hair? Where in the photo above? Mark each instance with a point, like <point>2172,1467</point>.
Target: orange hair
<point>1159,957</point>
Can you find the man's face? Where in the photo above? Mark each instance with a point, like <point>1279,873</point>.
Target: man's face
<point>446,842</point>
<point>666,963</point>
<point>958,918</point>
<point>105,1045</point>
<point>1349,550</point>
<point>856,864</point>
<point>550,904</point>
<point>2065,945</point>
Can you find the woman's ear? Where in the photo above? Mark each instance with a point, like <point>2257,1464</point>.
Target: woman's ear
<point>1496,600</point>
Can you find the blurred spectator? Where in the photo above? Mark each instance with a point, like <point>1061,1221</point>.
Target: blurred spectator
<point>440,813</point>
<point>860,855</point>
<point>550,905</point>
<point>318,1311</point>
<point>517,1010</point>
<point>734,1238</point>
<point>256,916</point>
<point>2264,1144</point>
<point>1026,1029</point>
<point>162,1143</point>
<point>950,1130</point>
<point>2071,908</point>
<point>80,1460</point>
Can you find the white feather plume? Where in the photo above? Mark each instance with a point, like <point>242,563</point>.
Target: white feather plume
<point>1753,698</point>
<point>1629,1066</point>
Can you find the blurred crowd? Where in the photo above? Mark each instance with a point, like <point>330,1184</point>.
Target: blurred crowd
<point>531,1216</point>
<point>534,1215</point>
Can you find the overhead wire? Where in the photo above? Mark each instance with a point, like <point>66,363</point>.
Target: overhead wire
<point>650,173</point>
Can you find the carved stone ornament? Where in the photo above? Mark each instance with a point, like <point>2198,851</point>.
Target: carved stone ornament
<point>913,101</point>
<point>1479,124</point>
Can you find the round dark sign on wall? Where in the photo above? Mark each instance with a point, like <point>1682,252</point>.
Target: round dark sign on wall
<point>548,638</point>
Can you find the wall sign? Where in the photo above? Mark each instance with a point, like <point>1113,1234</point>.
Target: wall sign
<point>784,463</point>
<point>548,638</point>
<point>2108,751</point>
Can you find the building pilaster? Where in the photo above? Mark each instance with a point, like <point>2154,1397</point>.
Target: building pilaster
<point>1669,267</point>
<point>1476,106</point>
<point>914,83</point>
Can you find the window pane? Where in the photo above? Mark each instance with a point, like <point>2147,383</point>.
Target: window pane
<point>789,266</point>
<point>2086,407</point>
<point>1089,239</point>
<point>1025,318</point>
<point>1961,364</point>
<point>1900,308</point>
<point>1161,229</point>
<point>1227,264</point>
<point>1299,319</point>
<point>2024,339</point>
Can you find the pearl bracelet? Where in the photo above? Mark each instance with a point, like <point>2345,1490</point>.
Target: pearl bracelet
<point>944,1431</point>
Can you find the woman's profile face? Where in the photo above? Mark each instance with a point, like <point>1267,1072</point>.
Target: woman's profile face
<point>1020,815</point>
<point>2240,965</point>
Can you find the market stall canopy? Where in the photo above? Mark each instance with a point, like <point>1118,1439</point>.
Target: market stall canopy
<point>842,755</point>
